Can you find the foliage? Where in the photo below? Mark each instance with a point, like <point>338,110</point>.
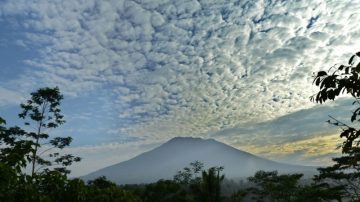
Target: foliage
<point>42,112</point>
<point>270,186</point>
<point>318,192</point>
<point>206,187</point>
<point>103,190</point>
<point>273,186</point>
<point>7,183</point>
<point>341,79</point>
<point>189,175</point>
<point>15,152</point>
<point>211,184</point>
<point>19,148</point>
<point>344,175</point>
<point>166,190</point>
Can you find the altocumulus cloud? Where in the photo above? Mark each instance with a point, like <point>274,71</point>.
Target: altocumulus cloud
<point>9,97</point>
<point>186,67</point>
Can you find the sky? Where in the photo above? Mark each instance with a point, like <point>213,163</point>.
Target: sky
<point>137,73</point>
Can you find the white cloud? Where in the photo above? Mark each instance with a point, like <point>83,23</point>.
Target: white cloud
<point>188,68</point>
<point>9,97</point>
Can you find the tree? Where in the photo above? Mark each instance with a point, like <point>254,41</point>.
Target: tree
<point>101,183</point>
<point>211,184</point>
<point>339,79</point>
<point>8,181</point>
<point>270,185</point>
<point>76,190</point>
<point>166,190</point>
<point>204,185</point>
<point>319,192</point>
<point>189,175</point>
<point>21,148</point>
<point>344,175</point>
<point>41,113</point>
<point>189,179</point>
<point>103,190</point>
<point>2,122</point>
<point>336,81</point>
<point>51,185</point>
<point>14,151</point>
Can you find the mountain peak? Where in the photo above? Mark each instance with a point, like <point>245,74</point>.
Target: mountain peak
<point>188,139</point>
<point>164,161</point>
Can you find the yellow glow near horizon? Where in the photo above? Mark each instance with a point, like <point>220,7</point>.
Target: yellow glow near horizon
<point>316,149</point>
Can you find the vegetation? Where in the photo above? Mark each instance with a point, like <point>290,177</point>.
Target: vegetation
<point>47,180</point>
<point>344,175</point>
<point>270,186</point>
<point>273,186</point>
<point>206,187</point>
<point>333,83</point>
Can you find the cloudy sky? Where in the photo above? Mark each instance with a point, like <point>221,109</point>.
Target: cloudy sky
<point>137,73</point>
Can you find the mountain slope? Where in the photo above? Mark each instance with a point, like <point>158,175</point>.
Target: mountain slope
<point>164,161</point>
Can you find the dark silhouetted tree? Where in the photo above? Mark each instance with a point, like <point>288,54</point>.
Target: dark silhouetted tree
<point>75,190</point>
<point>334,82</point>
<point>8,176</point>
<point>318,192</point>
<point>203,185</point>
<point>15,150</point>
<point>21,148</point>
<point>42,112</point>
<point>211,184</point>
<point>270,186</point>
<point>166,190</point>
<point>274,187</point>
<point>103,190</point>
<point>189,174</point>
<point>342,79</point>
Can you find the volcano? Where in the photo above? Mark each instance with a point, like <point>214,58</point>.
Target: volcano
<point>164,161</point>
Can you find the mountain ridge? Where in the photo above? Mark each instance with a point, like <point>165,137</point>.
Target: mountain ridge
<point>164,161</point>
